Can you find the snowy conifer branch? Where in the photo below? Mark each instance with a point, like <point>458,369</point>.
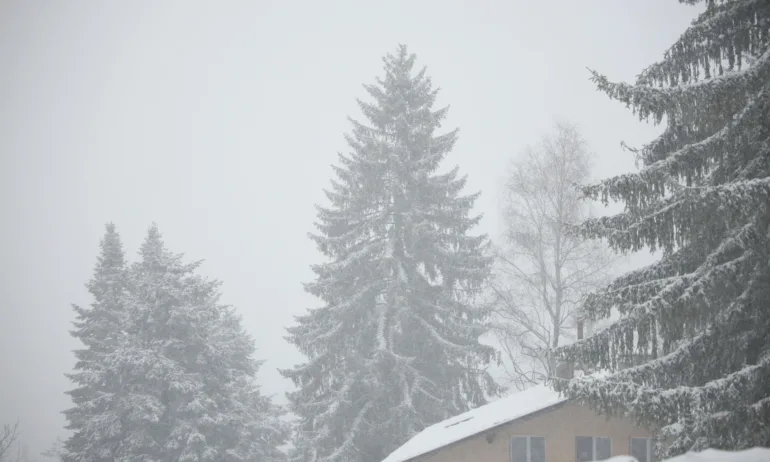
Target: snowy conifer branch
<point>697,158</point>
<point>657,102</point>
<point>727,30</point>
<point>703,197</point>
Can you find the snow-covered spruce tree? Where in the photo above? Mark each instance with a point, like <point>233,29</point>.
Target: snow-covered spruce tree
<point>100,328</point>
<point>186,372</point>
<point>395,347</point>
<point>702,313</point>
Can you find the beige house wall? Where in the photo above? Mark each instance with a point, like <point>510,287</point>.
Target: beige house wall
<point>559,426</point>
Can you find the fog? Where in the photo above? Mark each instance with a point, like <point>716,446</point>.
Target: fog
<point>219,121</point>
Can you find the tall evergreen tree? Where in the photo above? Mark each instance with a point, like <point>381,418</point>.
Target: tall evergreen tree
<point>100,328</point>
<point>185,372</point>
<point>395,347</point>
<point>700,314</point>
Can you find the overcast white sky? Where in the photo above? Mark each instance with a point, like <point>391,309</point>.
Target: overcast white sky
<point>219,120</point>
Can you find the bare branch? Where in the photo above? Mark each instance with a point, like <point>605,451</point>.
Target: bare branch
<point>8,438</point>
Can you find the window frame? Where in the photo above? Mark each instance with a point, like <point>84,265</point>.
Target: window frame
<point>593,446</point>
<point>528,438</point>
<point>650,447</point>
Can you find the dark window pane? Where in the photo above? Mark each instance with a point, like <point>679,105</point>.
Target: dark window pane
<point>584,449</point>
<point>603,448</point>
<point>536,449</point>
<point>639,447</point>
<point>519,449</point>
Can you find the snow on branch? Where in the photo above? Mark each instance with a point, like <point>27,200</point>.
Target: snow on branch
<point>716,268</point>
<point>351,434</point>
<point>648,405</point>
<point>654,102</point>
<point>635,189</point>
<point>671,216</point>
<point>712,35</point>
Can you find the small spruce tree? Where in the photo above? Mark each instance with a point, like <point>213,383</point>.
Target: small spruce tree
<point>184,372</point>
<point>700,314</point>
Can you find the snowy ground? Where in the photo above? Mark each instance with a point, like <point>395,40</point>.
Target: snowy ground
<point>712,455</point>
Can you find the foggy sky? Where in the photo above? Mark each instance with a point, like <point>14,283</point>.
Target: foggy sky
<point>219,120</point>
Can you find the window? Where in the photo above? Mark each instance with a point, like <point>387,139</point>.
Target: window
<point>642,449</point>
<point>591,448</point>
<point>528,449</point>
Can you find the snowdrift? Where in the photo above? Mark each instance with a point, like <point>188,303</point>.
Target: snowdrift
<point>712,455</point>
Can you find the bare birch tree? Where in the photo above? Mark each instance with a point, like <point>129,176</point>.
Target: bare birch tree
<point>544,270</point>
<point>9,436</point>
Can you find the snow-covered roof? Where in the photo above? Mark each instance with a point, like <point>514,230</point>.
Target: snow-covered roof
<point>476,421</point>
<point>712,455</point>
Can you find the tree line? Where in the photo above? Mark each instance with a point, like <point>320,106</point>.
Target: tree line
<point>406,289</point>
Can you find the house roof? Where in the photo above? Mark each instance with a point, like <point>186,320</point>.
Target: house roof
<point>476,421</point>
